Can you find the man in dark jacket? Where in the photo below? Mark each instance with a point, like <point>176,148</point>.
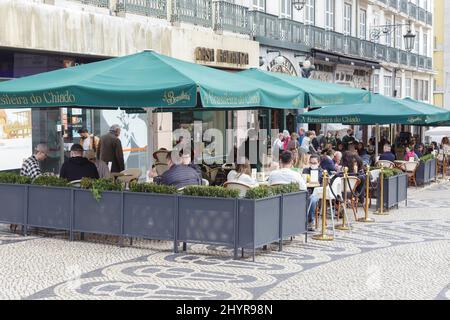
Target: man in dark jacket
<point>78,167</point>
<point>110,149</point>
<point>387,155</point>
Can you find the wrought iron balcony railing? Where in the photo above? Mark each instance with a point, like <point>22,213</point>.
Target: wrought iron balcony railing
<point>231,17</point>
<point>197,12</point>
<point>422,15</point>
<point>152,8</point>
<point>394,4</point>
<point>97,3</point>
<point>412,10</point>
<point>264,25</point>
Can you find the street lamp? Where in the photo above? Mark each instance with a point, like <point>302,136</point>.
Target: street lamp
<point>408,38</point>
<point>298,4</point>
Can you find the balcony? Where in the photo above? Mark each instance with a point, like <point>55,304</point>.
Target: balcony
<point>352,46</point>
<point>335,41</point>
<point>392,55</point>
<point>422,14</point>
<point>151,8</point>
<point>412,60</point>
<point>403,6</point>
<point>231,17</point>
<point>197,12</point>
<point>429,18</point>
<point>367,49</point>
<point>412,10</point>
<point>97,3</point>
<point>393,4</point>
<point>264,25</point>
<point>403,57</point>
<point>292,31</point>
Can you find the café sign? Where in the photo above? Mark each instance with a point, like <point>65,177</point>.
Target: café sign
<point>221,56</point>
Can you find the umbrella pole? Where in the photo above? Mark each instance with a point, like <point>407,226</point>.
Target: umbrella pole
<point>377,139</point>
<point>150,133</point>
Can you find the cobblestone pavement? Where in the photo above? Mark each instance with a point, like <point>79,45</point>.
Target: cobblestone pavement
<point>404,255</point>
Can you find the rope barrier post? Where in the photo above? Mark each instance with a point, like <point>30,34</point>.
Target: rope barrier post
<point>380,210</point>
<point>366,209</point>
<point>324,236</point>
<point>344,226</point>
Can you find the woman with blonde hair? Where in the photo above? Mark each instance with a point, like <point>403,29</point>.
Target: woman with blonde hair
<point>242,174</point>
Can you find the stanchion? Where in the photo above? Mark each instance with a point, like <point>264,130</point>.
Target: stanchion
<point>344,226</point>
<point>366,216</point>
<point>380,210</point>
<point>437,168</point>
<point>323,236</point>
<point>444,166</point>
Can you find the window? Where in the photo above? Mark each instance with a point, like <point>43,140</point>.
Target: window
<point>416,43</point>
<point>425,90</point>
<point>408,87</point>
<point>310,12</point>
<point>399,37</point>
<point>388,35</point>
<point>259,5</point>
<point>398,87</point>
<point>416,89</point>
<point>286,9</point>
<point>425,44</point>
<point>362,24</point>
<point>376,83</point>
<point>388,86</point>
<point>347,19</point>
<point>329,14</point>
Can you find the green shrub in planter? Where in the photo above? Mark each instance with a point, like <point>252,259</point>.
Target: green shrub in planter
<point>50,181</point>
<point>387,173</point>
<point>152,188</point>
<point>13,178</point>
<point>209,191</point>
<point>287,188</point>
<point>426,157</point>
<point>97,186</point>
<point>258,193</point>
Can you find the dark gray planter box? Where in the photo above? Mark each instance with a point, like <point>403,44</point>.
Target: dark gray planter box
<point>294,214</point>
<point>13,199</point>
<point>208,221</point>
<point>394,191</point>
<point>151,216</point>
<point>103,217</point>
<point>49,207</point>
<point>259,222</point>
<point>426,172</point>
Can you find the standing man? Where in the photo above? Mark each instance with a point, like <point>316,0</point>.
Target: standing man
<point>110,149</point>
<point>88,141</point>
<point>30,167</point>
<point>348,139</point>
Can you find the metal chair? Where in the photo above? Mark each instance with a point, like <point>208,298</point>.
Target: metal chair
<point>354,200</point>
<point>129,175</point>
<point>374,175</point>
<point>242,187</point>
<point>205,182</point>
<point>75,183</point>
<point>385,164</point>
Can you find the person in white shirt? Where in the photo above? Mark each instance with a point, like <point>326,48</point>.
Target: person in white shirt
<point>242,174</point>
<point>285,175</point>
<point>277,147</point>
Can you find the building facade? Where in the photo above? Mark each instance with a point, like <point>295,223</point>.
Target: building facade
<point>44,35</point>
<point>441,54</point>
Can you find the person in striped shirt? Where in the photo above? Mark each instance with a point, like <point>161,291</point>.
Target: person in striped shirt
<point>30,167</point>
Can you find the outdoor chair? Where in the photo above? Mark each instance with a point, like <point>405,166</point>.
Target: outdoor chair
<point>205,182</point>
<point>374,176</point>
<point>385,164</point>
<point>75,183</point>
<point>129,175</point>
<point>352,198</point>
<point>242,187</point>
<point>410,169</point>
<point>333,194</point>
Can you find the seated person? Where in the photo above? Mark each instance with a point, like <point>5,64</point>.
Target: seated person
<point>409,153</point>
<point>314,165</point>
<point>242,174</point>
<point>102,167</point>
<point>178,174</point>
<point>387,155</point>
<point>420,151</point>
<point>337,159</point>
<point>327,161</point>
<point>30,166</point>
<point>78,167</point>
<point>285,175</point>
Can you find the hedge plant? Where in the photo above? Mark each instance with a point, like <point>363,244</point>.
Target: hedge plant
<point>209,191</point>
<point>266,191</point>
<point>390,172</point>
<point>427,157</point>
<point>152,188</point>
<point>50,181</point>
<point>286,188</point>
<point>13,178</point>
<point>97,186</point>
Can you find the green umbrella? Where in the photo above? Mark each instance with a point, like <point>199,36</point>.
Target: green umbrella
<point>145,79</point>
<point>317,93</point>
<point>381,110</point>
